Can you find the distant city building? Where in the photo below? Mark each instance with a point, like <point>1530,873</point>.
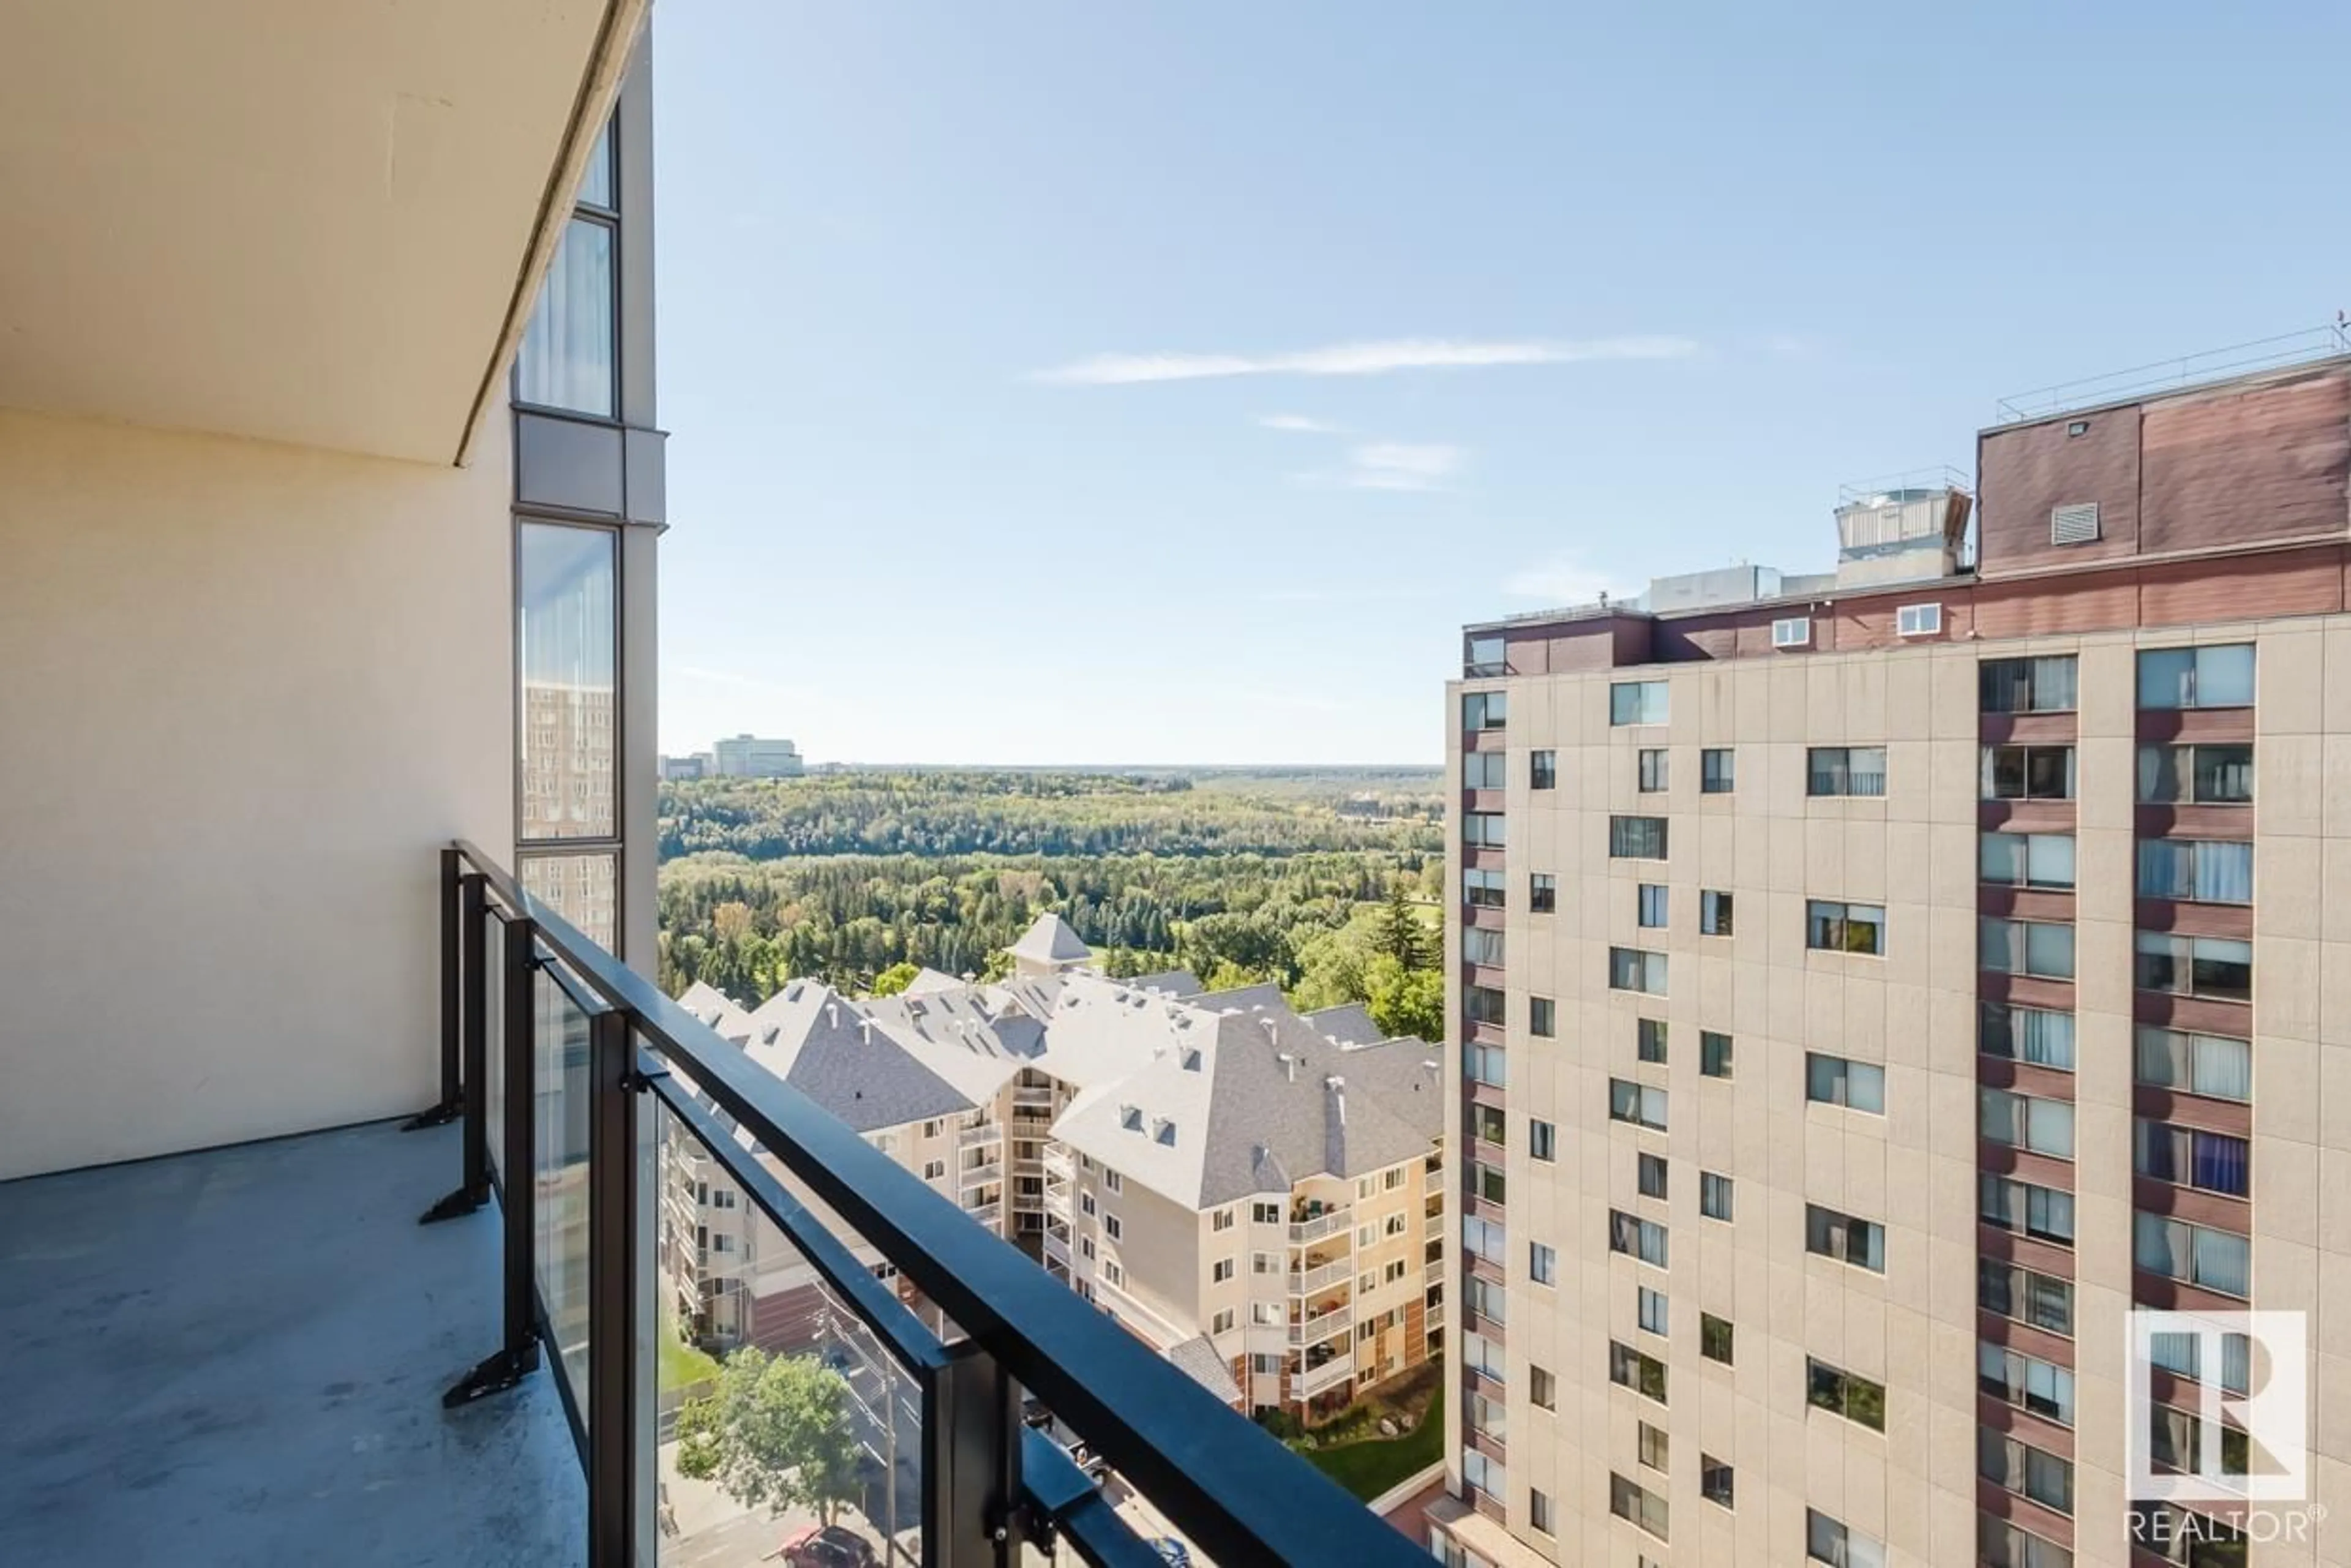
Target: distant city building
<point>1253,1191</point>
<point>755,757</point>
<point>676,769</point>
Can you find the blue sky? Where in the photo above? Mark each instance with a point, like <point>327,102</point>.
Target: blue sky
<point>1683,270</point>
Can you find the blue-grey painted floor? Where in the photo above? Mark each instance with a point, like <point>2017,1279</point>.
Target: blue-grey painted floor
<point>238,1356</point>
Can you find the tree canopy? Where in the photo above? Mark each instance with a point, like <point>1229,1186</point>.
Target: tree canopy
<point>775,1432</point>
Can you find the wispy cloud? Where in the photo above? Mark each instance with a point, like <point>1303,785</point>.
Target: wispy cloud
<point>1400,466</point>
<point>1300,424</point>
<point>1377,359</point>
<point>1562,578</point>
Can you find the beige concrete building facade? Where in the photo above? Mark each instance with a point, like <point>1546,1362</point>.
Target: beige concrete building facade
<point>1867,996</point>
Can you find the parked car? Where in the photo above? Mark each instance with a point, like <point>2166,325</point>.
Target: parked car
<point>1172,1551</point>
<point>829,1546</point>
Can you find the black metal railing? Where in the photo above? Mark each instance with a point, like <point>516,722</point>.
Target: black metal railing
<point>593,1079</point>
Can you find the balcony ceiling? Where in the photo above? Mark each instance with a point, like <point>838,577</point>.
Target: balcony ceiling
<point>287,219</point>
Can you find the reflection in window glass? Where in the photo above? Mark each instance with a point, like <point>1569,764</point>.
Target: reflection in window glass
<point>2218,676</point>
<point>567,608</point>
<point>567,358</point>
<point>596,184</point>
<point>582,890</point>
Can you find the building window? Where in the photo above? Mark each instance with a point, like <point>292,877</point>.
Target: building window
<point>1714,1338</point>
<point>1484,710</point>
<point>2026,1381</point>
<point>1222,1270</point>
<point>1543,1389</point>
<point>1835,1081</point>
<point>1542,1140</point>
<point>1653,769</point>
<point>2201,871</point>
<point>2192,1157</point>
<point>2181,1356</point>
<point>1486,1123</point>
<point>1482,888</point>
<point>1481,946</point>
<point>933,1170</point>
<point>1483,1474</point>
<point>1846,1393</point>
<point>1645,1509</point>
<point>1542,1017</point>
<point>1221,1220</point>
<point>568,611</point>
<point>1484,829</point>
<point>1641,1103</point>
<point>1543,1263</point>
<point>1652,1447</point>
<point>568,359</point>
<point>1485,770</point>
<point>1483,1004</point>
<point>2219,968</point>
<point>2038,947</point>
<point>1846,770</point>
<point>1539,1511</point>
<point>2027,772</point>
<point>1639,701</point>
<point>2219,676</point>
<point>1713,1054</point>
<point>1649,904</point>
<point>1265,1213</point>
<point>1488,1300</point>
<point>1834,927</point>
<point>1649,1039</point>
<point>2026,1122</point>
<point>1715,1481</point>
<point>1713,914</point>
<point>1543,893</point>
<point>1644,1375</point>
<point>1718,772</point>
<point>1652,1311</point>
<point>1636,1237</point>
<point>1714,1195</point>
<point>2029,685</point>
<point>1636,838</point>
<point>1543,769</point>
<point>1113,1181</point>
<point>2206,1065</point>
<point>1859,1242</point>
<point>1222,1323</point>
<point>2027,860</point>
<point>1791,632</point>
<point>2026,1208</point>
<point>2039,1299</point>
<point>1827,1540</point>
<point>1112,1229</point>
<point>1487,656</point>
<point>1632,969</point>
<point>2194,1254</point>
<point>1085,1203</point>
<point>1650,1174</point>
<point>2035,1035</point>
<point>2196,775</point>
<point>1486,1238</point>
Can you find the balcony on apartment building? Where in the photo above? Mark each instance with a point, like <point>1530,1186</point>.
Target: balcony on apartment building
<point>258,497</point>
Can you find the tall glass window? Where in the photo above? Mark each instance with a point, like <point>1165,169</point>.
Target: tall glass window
<point>568,747</point>
<point>570,358</point>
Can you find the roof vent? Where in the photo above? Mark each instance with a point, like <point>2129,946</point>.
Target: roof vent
<point>865,1030</point>
<point>1288,1065</point>
<point>1338,1087</point>
<point>2073,525</point>
<point>1273,1028</point>
<point>833,1015</point>
<point>1162,1131</point>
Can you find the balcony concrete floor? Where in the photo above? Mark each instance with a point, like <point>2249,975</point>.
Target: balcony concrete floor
<point>237,1357</point>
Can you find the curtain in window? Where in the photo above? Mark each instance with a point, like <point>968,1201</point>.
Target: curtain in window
<point>2220,1163</point>
<point>2223,1068</point>
<point>566,357</point>
<point>2044,1038</point>
<point>2223,1262</point>
<point>2161,1247</point>
<point>2053,684</point>
<point>2224,873</point>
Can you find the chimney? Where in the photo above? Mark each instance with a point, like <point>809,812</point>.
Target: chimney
<point>1338,1087</point>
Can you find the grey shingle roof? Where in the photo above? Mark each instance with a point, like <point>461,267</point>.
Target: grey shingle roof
<point>1198,1360</point>
<point>1266,995</point>
<point>1349,1024</point>
<point>825,1047</point>
<point>1052,941</point>
<point>1174,982</point>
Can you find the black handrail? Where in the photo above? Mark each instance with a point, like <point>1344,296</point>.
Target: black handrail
<point>1238,1493</point>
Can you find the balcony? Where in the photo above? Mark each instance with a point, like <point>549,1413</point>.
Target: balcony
<point>974,1137</point>
<point>1433,1182</point>
<point>256,1354</point>
<point>980,1175</point>
<point>1311,1282</point>
<point>1321,1326</point>
<point>1034,1098</point>
<point>1315,1226</point>
<point>1056,1161</point>
<point>1321,1379</point>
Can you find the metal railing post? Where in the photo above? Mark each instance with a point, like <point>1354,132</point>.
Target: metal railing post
<point>971,1463</point>
<point>472,1009</point>
<point>449,1107</point>
<point>612,1412</point>
<point>519,1355</point>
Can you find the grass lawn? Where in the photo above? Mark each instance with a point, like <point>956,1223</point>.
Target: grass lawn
<point>682,1366</point>
<point>1370,1468</point>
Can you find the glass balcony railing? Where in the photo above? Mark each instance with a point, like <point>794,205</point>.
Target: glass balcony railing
<point>903,1336</point>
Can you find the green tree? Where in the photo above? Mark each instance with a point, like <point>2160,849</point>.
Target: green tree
<point>895,979</point>
<point>774,1431</point>
<point>1407,1001</point>
<point>1402,936</point>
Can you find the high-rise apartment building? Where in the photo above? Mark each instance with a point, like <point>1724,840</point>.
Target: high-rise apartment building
<point>755,757</point>
<point>1872,987</point>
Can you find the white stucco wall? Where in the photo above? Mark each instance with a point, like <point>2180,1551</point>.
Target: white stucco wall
<point>245,690</point>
